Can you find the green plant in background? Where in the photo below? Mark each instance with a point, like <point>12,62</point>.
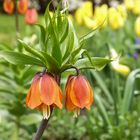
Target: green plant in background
<point>59,50</point>
<point>116,107</point>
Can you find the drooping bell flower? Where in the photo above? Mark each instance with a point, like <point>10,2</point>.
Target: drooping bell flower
<point>44,94</point>
<point>31,16</point>
<point>8,6</point>
<point>79,94</point>
<point>22,6</point>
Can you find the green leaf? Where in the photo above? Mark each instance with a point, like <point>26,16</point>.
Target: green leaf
<point>56,52</point>
<point>20,59</point>
<point>102,109</point>
<point>47,14</point>
<point>98,63</point>
<point>88,35</point>
<point>69,46</point>
<point>77,52</point>
<point>65,28</point>
<point>76,40</point>
<point>32,51</point>
<point>129,91</point>
<point>53,65</point>
<point>42,34</point>
<point>102,85</point>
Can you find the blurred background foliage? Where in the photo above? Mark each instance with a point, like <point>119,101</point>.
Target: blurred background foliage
<point>115,114</point>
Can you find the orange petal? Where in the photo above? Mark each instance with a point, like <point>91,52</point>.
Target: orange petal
<point>91,99</point>
<point>48,89</point>
<point>80,92</point>
<point>68,103</point>
<point>58,98</point>
<point>33,96</point>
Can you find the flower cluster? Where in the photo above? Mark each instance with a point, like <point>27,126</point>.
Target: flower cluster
<point>45,94</point>
<point>103,16</point>
<point>22,7</point>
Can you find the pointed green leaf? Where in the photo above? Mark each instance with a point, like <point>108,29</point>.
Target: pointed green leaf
<point>102,85</point>
<point>20,59</point>
<point>97,63</point>
<point>129,91</point>
<point>42,34</point>
<point>65,31</point>
<point>88,35</point>
<point>56,52</point>
<point>32,51</point>
<point>69,46</point>
<point>102,109</point>
<point>53,65</point>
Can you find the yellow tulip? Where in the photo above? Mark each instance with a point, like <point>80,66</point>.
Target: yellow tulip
<point>90,23</point>
<point>79,16</point>
<point>84,11</point>
<point>87,9</point>
<point>136,8</point>
<point>137,26</point>
<point>122,9</point>
<point>115,19</point>
<point>100,15</point>
<point>129,4</point>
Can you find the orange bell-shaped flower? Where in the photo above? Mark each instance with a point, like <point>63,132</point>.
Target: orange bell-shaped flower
<point>31,16</point>
<point>79,94</point>
<point>8,6</point>
<point>22,6</point>
<point>44,94</point>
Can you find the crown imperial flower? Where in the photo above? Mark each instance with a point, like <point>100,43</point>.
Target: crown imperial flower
<point>44,94</point>
<point>79,94</point>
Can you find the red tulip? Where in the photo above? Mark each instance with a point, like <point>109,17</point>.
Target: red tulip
<point>8,6</point>
<point>22,6</point>
<point>44,94</point>
<point>31,16</point>
<point>79,94</point>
